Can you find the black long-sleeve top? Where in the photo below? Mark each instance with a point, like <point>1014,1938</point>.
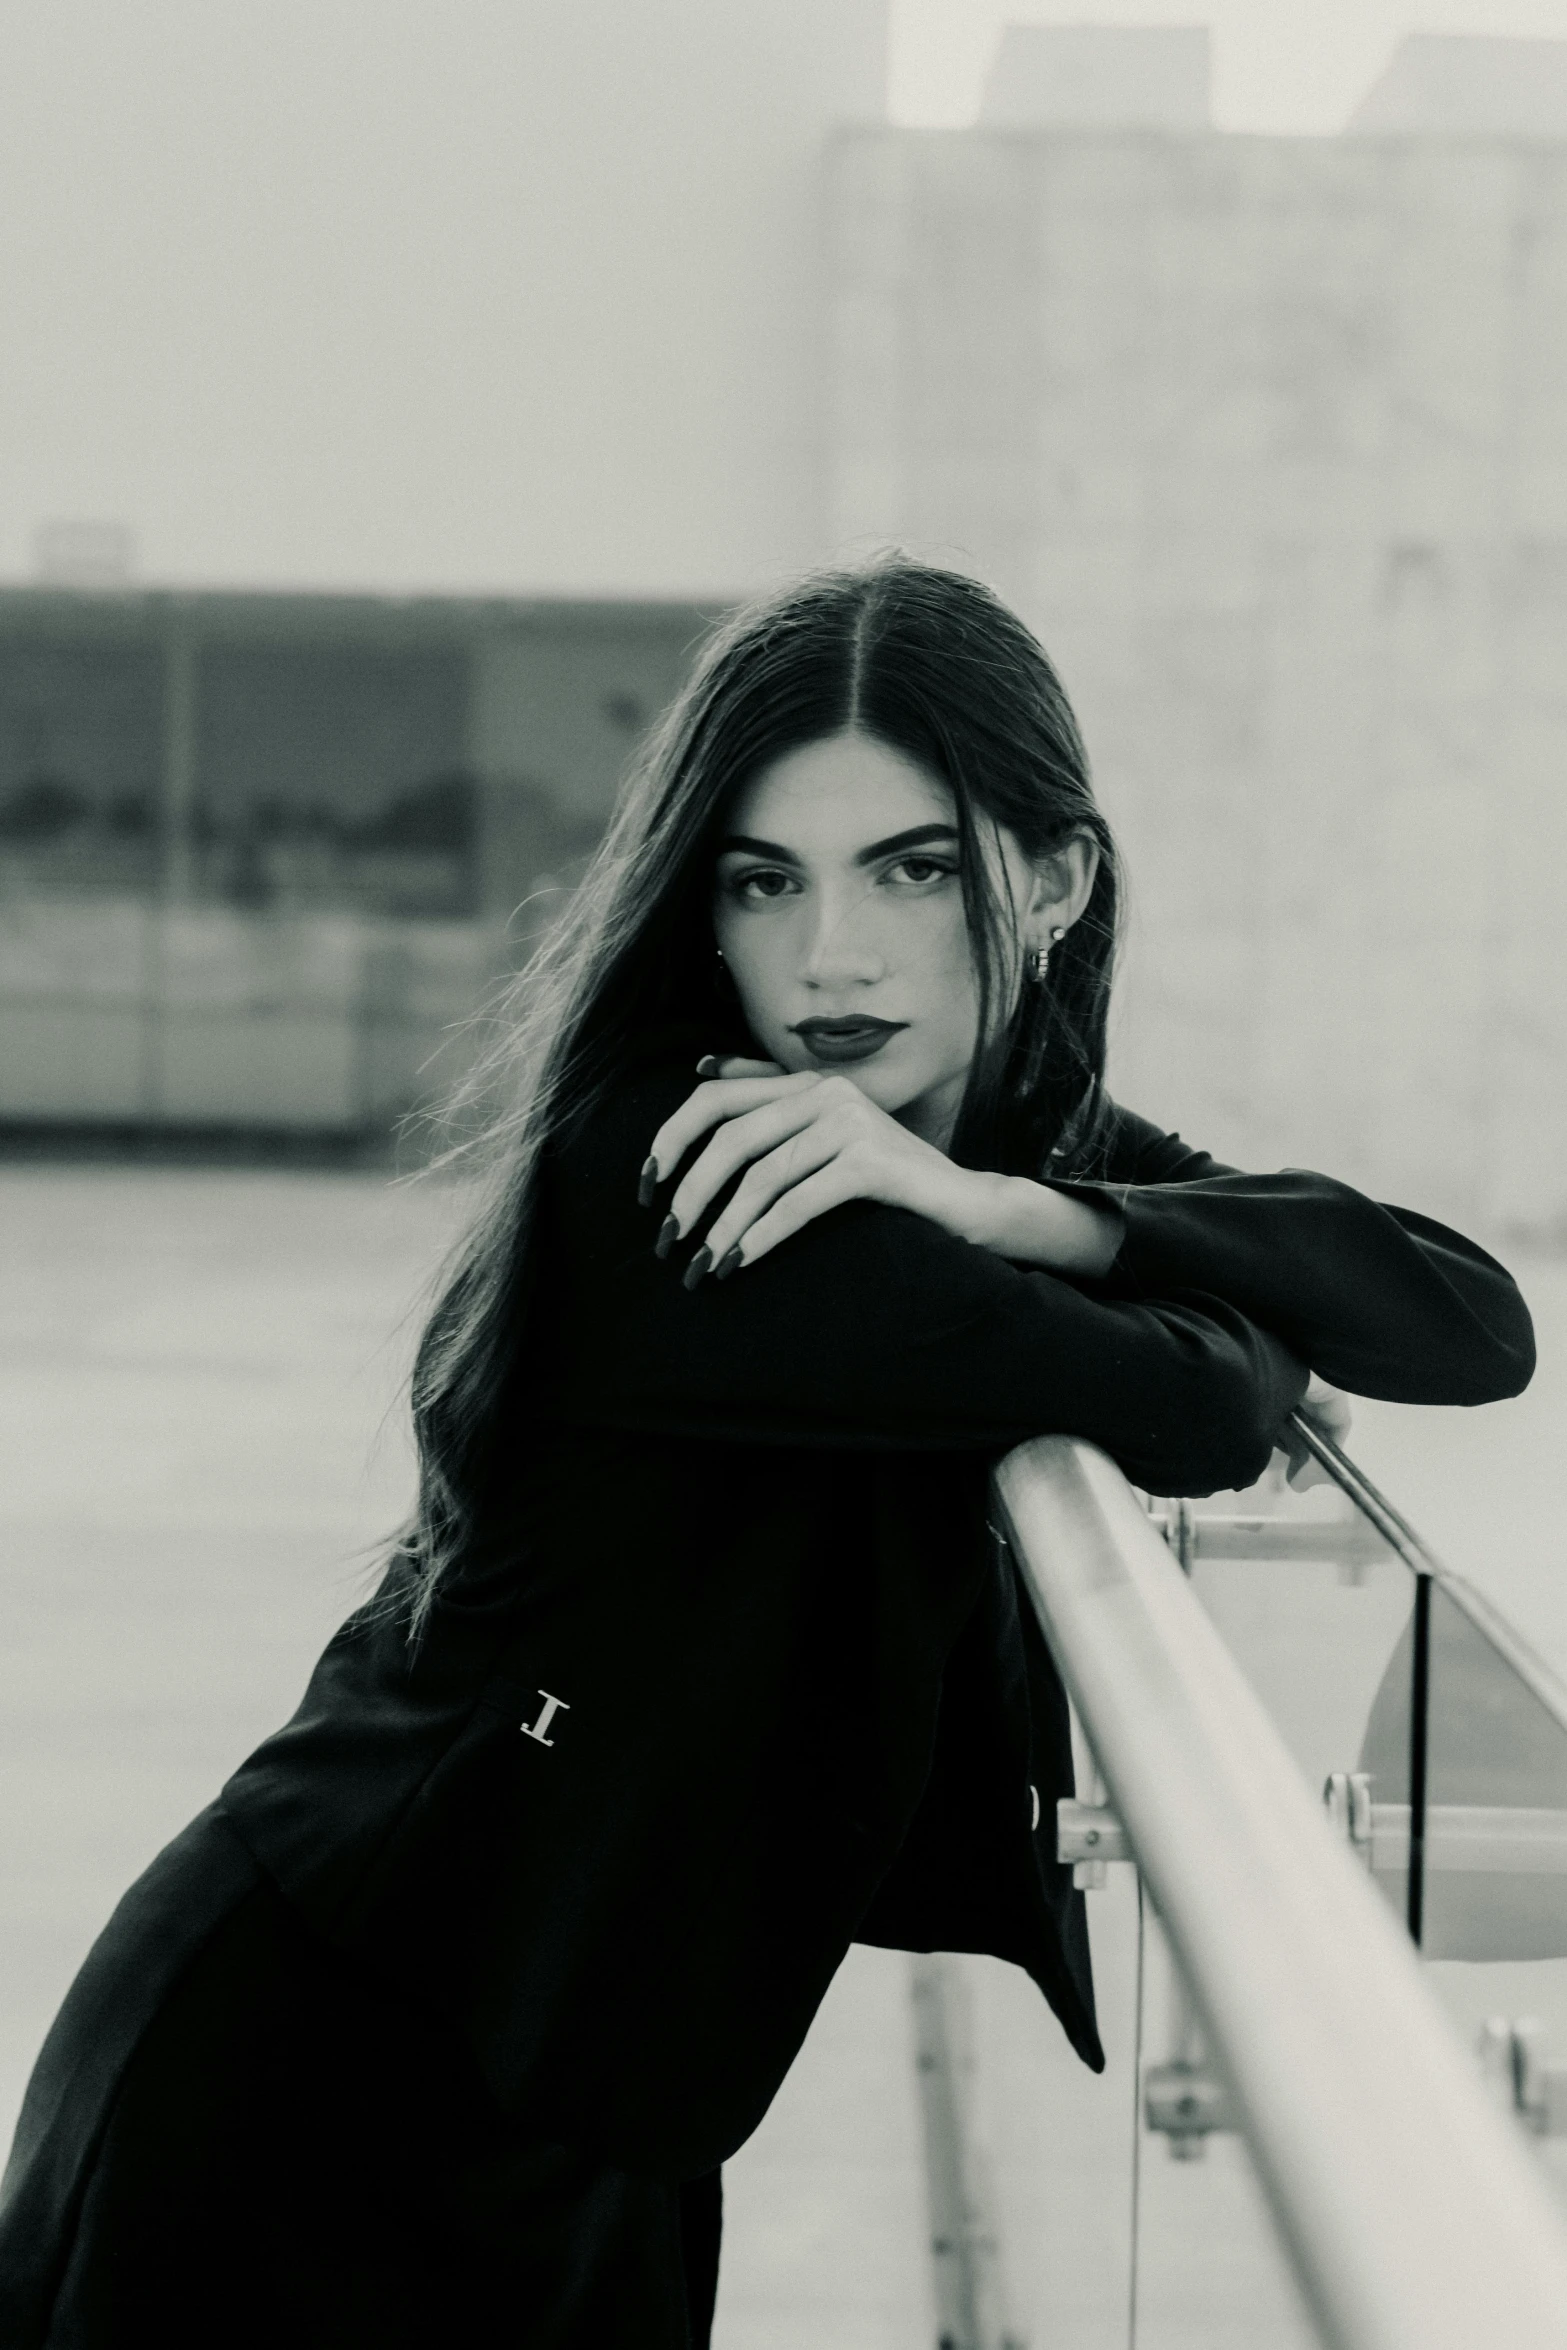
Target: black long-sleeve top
<point>733,1673</point>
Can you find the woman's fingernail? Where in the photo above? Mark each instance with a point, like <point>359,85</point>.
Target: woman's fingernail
<point>697,1267</point>
<point>647,1183</point>
<point>707,1066</point>
<point>668,1234</point>
<point>727,1263</point>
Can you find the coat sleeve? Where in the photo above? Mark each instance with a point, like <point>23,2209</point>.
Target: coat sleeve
<point>1379,1300</point>
<point>872,1327</point>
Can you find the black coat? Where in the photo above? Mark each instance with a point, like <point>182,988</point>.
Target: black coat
<point>733,1673</point>
<point>739,1583</point>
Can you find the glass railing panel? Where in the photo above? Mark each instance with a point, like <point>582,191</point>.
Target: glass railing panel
<point>1443,1744</point>
<point>1494,1860</point>
<point>1095,2211</point>
<point>1495,1830</point>
<point>1415,1713</point>
<point>1054,2141</point>
<point>1211,2273</point>
<point>1316,1610</point>
<point>1513,2014</point>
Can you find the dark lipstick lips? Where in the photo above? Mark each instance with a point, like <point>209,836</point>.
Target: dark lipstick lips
<point>854,1038</point>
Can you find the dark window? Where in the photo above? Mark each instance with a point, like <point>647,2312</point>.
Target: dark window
<point>80,735</point>
<point>335,775</point>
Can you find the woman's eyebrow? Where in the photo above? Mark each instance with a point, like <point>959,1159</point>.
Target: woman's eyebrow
<point>916,838</point>
<point>748,845</point>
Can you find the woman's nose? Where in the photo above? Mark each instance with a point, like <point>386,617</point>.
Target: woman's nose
<point>842,947</point>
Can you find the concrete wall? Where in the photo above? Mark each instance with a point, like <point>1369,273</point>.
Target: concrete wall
<point>1470,83</point>
<point>1268,440</point>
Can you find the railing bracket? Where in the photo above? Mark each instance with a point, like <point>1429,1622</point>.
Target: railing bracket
<point>1185,2102</point>
<point>1088,1835</point>
<point>1516,2060</point>
<point>1346,1798</point>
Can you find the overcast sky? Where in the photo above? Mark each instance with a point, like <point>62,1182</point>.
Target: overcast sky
<point>1278,65</point>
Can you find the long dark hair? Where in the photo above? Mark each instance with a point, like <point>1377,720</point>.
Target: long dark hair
<point>934,666</point>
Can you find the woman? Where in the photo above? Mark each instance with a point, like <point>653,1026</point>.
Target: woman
<point>698,1661</point>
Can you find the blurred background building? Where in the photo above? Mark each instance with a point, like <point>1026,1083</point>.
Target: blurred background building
<point>262,855</point>
<point>1268,439</point>
<point>572,324</point>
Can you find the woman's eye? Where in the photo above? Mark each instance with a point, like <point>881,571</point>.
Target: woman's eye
<point>763,881</point>
<point>923,869</point>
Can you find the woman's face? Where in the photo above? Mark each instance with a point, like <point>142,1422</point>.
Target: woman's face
<point>839,910</point>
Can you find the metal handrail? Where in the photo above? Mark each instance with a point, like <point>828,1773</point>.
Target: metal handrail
<point>1391,1524</point>
<point>1411,2214</point>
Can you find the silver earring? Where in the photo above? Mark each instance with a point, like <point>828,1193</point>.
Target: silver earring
<point>1039,960</point>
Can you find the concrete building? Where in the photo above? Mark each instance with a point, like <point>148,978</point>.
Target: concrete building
<point>1472,84</point>
<point>1268,439</point>
<point>261,856</point>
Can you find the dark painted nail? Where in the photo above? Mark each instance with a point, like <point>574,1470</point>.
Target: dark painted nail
<point>647,1183</point>
<point>668,1234</point>
<point>707,1066</point>
<point>727,1263</point>
<point>697,1267</point>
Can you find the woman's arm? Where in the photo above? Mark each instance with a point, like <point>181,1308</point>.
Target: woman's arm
<point>1040,1224</point>
<point>1378,1300</point>
<point>873,1326</point>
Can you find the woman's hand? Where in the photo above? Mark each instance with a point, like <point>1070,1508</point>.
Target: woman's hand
<point>1327,1408</point>
<point>806,1143</point>
<point>810,1142</point>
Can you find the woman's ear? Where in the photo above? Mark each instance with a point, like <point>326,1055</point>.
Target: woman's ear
<point>1063,885</point>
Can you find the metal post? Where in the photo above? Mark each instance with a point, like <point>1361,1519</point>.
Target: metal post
<point>177,800</point>
<point>1419,1751</point>
<point>965,2246</point>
